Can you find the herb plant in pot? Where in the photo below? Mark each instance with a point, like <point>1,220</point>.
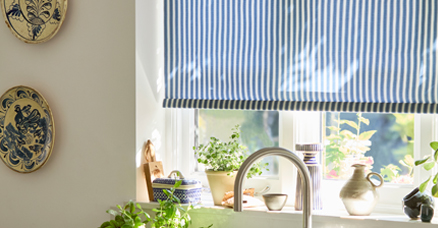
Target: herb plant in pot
<point>222,160</point>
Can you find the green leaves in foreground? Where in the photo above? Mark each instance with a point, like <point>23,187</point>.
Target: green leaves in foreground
<point>170,214</point>
<point>127,217</point>
<point>435,191</point>
<point>424,185</point>
<point>429,165</point>
<point>421,161</point>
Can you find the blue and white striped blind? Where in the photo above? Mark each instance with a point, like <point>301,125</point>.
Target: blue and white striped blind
<point>326,55</point>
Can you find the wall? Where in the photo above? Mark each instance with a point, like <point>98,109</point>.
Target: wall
<point>87,75</point>
<point>151,117</point>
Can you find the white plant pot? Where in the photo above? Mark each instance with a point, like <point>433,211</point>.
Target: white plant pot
<point>220,183</point>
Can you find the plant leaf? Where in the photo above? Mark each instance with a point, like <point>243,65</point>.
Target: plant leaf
<point>435,179</point>
<point>105,224</point>
<point>352,124</point>
<point>137,220</point>
<point>424,185</point>
<point>347,134</point>
<point>435,155</point>
<point>333,128</point>
<point>428,166</point>
<point>177,184</point>
<point>434,145</point>
<point>419,162</point>
<point>435,191</point>
<point>132,207</point>
<point>332,137</point>
<point>364,120</point>
<point>111,212</point>
<point>366,135</point>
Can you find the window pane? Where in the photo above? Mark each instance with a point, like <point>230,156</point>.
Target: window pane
<point>383,142</point>
<point>259,129</point>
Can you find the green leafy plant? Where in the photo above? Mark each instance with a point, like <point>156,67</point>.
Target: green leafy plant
<point>128,217</point>
<point>171,214</point>
<point>428,163</point>
<point>227,156</point>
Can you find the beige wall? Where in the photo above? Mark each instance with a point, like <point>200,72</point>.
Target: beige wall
<point>87,74</point>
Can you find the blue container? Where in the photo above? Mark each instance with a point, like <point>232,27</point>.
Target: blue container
<point>188,192</point>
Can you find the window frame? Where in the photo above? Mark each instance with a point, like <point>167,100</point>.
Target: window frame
<point>293,128</point>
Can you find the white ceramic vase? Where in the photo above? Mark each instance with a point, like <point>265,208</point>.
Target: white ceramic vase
<point>220,182</point>
<point>359,194</point>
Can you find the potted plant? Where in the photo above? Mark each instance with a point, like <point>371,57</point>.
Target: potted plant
<point>222,160</point>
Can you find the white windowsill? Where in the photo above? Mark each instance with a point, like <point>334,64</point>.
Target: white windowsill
<point>324,218</point>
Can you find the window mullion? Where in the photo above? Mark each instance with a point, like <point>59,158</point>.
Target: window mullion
<point>424,134</point>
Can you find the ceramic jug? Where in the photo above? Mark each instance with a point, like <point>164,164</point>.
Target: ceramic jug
<point>359,194</point>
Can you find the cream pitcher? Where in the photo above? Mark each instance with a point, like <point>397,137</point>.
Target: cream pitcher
<point>359,194</point>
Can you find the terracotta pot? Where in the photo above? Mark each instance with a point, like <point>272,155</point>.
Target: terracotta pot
<point>359,194</point>
<point>220,183</point>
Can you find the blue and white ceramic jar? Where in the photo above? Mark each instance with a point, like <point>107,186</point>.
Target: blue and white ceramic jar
<point>310,152</point>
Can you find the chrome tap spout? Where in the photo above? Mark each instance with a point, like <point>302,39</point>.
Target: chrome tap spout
<point>302,170</point>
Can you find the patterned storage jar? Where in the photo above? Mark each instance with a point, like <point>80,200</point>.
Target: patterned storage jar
<point>188,192</point>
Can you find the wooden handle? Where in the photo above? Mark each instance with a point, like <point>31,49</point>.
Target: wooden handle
<point>149,152</point>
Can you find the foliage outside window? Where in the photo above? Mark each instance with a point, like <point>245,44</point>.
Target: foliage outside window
<point>382,142</point>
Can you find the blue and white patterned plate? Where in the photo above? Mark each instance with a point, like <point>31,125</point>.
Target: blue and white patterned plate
<point>27,130</point>
<point>34,21</point>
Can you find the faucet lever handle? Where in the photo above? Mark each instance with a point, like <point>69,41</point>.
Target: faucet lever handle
<point>263,191</point>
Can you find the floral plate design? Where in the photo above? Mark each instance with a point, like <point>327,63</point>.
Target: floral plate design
<point>27,130</point>
<point>34,21</point>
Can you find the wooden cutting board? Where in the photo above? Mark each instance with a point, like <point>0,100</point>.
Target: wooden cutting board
<point>152,170</point>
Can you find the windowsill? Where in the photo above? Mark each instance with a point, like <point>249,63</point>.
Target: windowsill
<point>324,218</point>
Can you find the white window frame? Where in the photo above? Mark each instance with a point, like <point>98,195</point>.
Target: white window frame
<point>294,127</point>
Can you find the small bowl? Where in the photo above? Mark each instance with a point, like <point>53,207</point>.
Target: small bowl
<point>275,202</point>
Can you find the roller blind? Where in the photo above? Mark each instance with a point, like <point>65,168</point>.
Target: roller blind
<point>326,55</point>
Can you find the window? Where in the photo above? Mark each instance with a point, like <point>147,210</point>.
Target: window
<point>410,135</point>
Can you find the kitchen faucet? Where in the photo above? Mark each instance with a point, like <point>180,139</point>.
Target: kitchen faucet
<point>292,157</point>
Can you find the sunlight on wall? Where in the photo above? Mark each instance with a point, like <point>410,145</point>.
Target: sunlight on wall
<point>160,80</point>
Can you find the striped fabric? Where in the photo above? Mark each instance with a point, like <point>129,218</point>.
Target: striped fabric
<point>326,55</point>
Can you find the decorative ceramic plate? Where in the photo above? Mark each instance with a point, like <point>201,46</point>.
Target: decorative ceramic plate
<point>34,21</point>
<point>27,130</point>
